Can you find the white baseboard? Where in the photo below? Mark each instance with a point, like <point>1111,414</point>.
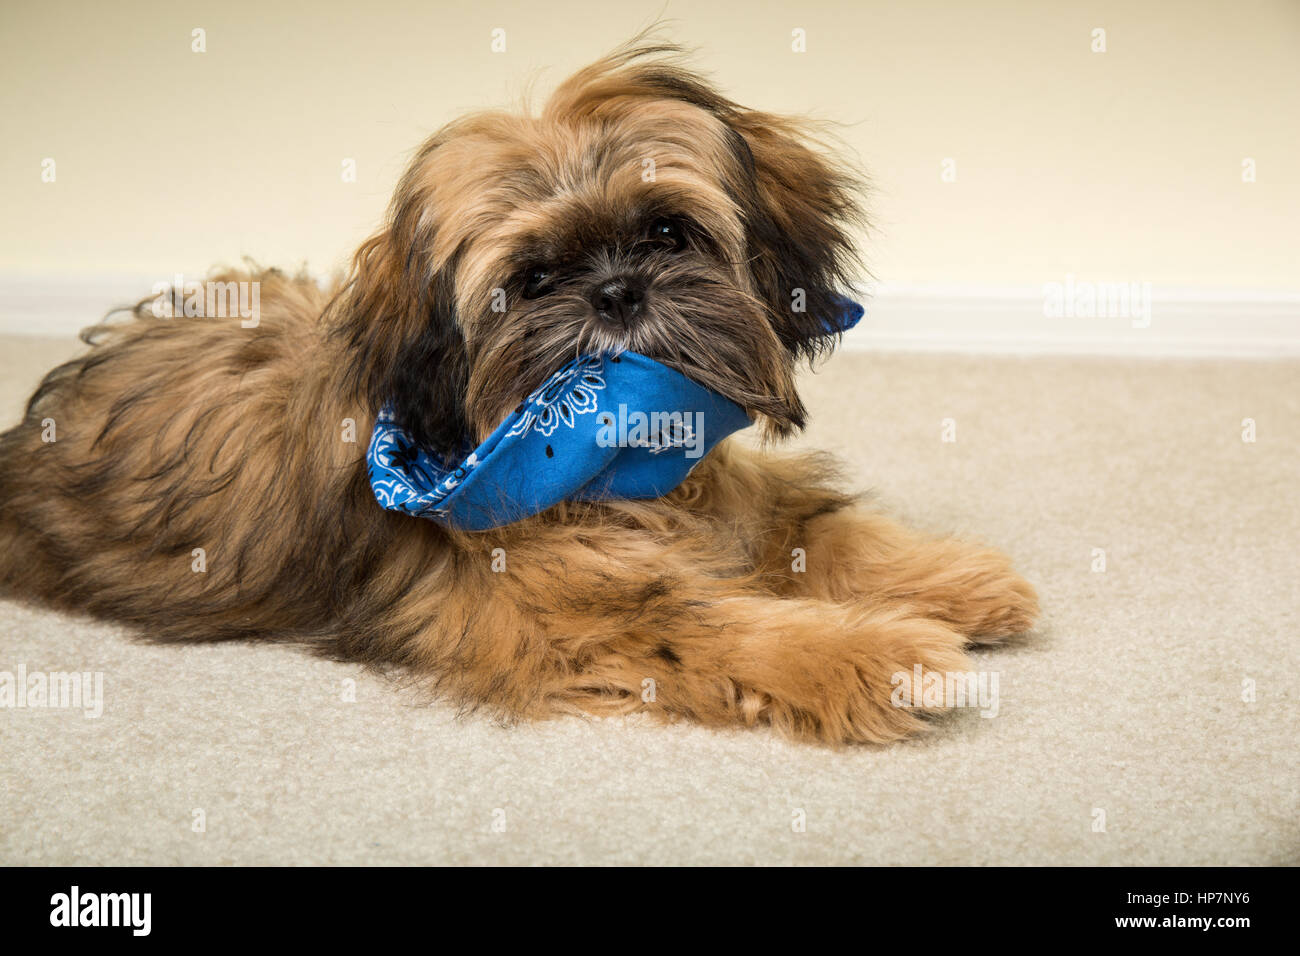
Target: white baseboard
<point>61,306</point>
<point>1017,319</point>
<point>900,317</point>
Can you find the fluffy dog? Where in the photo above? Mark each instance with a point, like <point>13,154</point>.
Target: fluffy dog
<point>206,481</point>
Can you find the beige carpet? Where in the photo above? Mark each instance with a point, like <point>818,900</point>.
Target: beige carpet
<point>1129,701</point>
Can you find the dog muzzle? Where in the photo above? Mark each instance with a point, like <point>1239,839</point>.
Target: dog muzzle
<point>602,427</point>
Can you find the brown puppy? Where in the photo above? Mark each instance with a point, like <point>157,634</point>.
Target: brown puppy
<point>208,481</point>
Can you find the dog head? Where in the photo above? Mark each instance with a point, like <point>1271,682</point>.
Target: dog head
<point>640,210</point>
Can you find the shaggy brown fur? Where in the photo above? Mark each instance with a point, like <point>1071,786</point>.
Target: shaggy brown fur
<point>178,434</point>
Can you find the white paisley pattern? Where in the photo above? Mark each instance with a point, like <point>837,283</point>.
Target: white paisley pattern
<point>677,434</point>
<point>408,478</point>
<point>404,476</point>
<point>564,396</point>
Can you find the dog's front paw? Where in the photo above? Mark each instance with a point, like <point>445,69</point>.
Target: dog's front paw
<point>995,603</point>
<point>860,690</point>
<point>971,588</point>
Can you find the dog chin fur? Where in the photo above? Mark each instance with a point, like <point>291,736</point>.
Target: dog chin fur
<point>208,481</point>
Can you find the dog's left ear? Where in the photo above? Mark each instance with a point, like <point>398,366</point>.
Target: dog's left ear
<point>397,318</point>
<point>800,207</point>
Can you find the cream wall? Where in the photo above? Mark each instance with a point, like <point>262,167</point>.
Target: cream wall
<point>1123,165</point>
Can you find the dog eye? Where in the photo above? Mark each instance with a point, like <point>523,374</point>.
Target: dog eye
<point>535,281</point>
<point>669,232</point>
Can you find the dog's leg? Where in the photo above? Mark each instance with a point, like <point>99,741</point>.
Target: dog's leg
<point>814,670</point>
<point>613,620</point>
<point>854,555</point>
<point>810,540</point>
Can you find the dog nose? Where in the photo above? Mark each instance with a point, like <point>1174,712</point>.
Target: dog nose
<point>618,300</point>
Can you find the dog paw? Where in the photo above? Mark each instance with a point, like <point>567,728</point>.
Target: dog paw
<point>972,589</point>
<point>995,603</point>
<point>866,694</point>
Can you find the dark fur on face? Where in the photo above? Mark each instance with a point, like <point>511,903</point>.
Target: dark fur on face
<point>208,481</point>
<point>641,210</point>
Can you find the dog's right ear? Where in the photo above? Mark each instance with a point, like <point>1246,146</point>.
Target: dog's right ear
<point>397,317</point>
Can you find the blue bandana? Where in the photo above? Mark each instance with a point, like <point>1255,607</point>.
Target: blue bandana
<point>603,426</point>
